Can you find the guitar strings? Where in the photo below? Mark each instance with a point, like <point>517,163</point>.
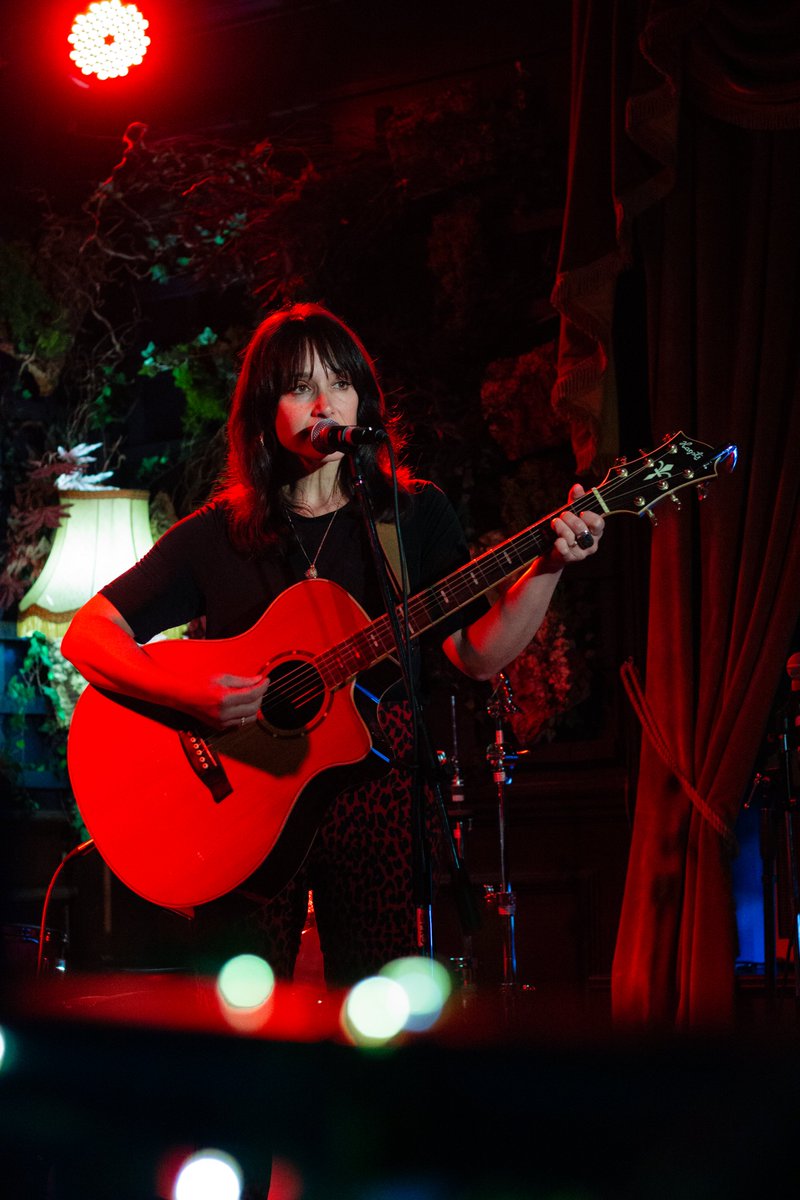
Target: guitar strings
<point>302,684</point>
<point>306,681</point>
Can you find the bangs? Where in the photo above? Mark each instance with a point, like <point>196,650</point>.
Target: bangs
<point>294,345</point>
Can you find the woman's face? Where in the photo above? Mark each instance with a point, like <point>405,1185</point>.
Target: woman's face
<point>317,393</point>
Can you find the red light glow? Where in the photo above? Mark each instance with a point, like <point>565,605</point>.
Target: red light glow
<point>108,39</point>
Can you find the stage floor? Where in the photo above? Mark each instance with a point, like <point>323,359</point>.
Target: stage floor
<point>108,1079</point>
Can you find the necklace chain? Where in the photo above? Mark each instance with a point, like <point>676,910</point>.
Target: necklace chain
<point>312,572</point>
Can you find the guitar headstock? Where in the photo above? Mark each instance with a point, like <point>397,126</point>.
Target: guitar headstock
<point>637,485</point>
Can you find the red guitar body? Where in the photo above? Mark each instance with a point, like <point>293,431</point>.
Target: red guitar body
<point>159,817</point>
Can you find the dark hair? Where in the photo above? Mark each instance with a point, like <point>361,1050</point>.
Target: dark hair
<point>258,467</point>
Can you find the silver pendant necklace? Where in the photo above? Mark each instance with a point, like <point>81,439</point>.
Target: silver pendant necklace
<point>312,572</point>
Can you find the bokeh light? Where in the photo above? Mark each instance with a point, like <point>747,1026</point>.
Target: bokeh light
<point>375,1011</point>
<point>245,983</point>
<point>2,1048</point>
<point>209,1175</point>
<point>427,986</point>
<point>108,39</point>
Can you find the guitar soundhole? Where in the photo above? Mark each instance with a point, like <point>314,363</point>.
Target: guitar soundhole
<point>295,696</point>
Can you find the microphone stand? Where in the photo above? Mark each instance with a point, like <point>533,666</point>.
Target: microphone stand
<point>423,757</point>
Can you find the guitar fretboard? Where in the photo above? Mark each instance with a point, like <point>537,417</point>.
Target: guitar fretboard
<point>633,487</point>
<point>425,609</point>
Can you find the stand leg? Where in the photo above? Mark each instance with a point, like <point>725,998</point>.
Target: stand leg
<point>769,882</point>
<point>500,706</point>
<point>794,886</point>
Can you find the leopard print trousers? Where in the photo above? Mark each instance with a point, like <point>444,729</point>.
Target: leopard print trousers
<point>359,873</point>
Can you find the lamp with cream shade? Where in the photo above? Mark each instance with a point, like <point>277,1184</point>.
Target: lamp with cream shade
<point>102,532</point>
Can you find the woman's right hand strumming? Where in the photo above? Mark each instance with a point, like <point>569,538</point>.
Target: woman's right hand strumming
<point>100,643</point>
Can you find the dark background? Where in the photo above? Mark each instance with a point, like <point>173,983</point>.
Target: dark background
<point>438,240</point>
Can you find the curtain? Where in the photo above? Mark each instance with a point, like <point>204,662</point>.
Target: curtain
<point>704,176</point>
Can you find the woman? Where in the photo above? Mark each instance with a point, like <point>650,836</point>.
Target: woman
<point>284,511</point>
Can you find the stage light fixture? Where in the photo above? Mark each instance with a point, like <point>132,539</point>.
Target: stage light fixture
<point>108,39</point>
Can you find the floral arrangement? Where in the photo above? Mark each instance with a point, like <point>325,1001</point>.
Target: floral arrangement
<point>548,680</point>
<point>36,512</point>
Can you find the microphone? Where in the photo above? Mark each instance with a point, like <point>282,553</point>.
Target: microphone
<point>326,435</point>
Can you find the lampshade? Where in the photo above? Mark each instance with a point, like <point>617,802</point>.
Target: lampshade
<point>101,534</point>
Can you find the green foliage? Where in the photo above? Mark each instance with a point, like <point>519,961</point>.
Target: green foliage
<point>111,400</point>
<point>151,467</point>
<point>25,305</point>
<point>42,696</point>
<point>33,680</point>
<point>53,343</point>
<point>203,372</point>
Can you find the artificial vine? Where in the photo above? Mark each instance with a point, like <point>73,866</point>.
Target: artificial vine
<point>37,679</point>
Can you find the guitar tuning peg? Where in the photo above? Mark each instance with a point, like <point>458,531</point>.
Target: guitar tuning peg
<point>653,517</point>
<point>702,491</point>
<point>676,500</point>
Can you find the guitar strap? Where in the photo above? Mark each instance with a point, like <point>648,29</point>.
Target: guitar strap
<point>387,535</point>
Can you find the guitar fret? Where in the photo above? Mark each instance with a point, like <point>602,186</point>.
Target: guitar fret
<point>373,643</point>
<point>331,668</point>
<point>496,564</point>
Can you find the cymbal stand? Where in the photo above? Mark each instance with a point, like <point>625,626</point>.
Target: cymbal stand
<point>501,705</point>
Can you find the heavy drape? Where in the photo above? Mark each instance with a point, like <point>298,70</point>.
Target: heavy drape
<point>703,170</point>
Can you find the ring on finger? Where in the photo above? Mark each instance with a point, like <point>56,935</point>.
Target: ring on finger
<point>584,540</point>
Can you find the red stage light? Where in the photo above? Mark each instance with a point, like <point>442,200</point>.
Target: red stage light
<point>108,38</point>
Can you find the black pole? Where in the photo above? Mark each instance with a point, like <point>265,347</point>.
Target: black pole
<point>424,764</point>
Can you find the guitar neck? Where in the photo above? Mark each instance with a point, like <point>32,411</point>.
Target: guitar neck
<point>427,608</point>
<point>633,486</point>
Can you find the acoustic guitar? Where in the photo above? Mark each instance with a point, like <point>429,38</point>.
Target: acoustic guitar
<point>183,814</point>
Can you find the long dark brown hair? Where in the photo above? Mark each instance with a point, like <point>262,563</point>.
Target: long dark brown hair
<point>258,467</point>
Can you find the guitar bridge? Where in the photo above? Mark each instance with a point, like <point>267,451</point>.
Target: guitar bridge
<point>205,764</point>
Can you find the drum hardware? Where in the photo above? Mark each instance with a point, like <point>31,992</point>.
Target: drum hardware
<point>501,705</point>
<point>500,899</point>
<point>29,950</point>
<point>462,966</point>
